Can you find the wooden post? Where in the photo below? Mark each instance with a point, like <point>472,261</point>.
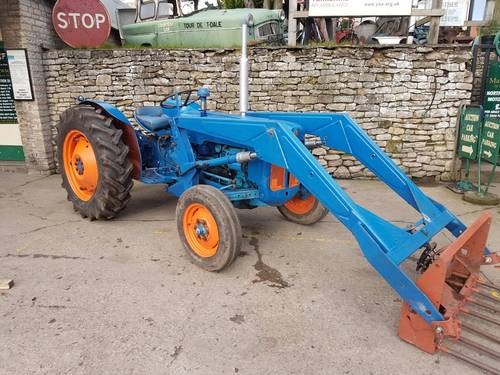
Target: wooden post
<point>292,23</point>
<point>433,37</point>
<point>278,4</point>
<point>266,4</point>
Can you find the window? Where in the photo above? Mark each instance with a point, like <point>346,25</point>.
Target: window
<point>147,9</point>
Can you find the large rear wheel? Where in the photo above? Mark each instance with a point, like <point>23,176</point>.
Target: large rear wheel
<point>208,227</point>
<point>303,209</point>
<point>94,164</point>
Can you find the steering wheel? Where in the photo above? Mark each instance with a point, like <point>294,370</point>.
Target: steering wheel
<point>184,98</point>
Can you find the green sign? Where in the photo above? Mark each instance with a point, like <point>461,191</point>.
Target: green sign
<point>7,105</point>
<point>490,140</point>
<point>470,126</point>
<point>492,97</point>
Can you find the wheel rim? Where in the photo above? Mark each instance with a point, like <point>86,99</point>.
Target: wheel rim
<point>300,206</point>
<point>201,230</point>
<point>80,165</point>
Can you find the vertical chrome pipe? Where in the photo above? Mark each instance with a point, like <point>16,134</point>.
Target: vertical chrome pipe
<point>244,71</point>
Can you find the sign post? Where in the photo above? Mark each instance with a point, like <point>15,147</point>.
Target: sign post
<point>81,24</point>
<point>489,145</point>
<point>470,128</point>
<point>492,97</point>
<point>469,132</point>
<point>488,151</point>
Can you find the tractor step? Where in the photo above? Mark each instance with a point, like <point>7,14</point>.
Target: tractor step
<point>469,304</point>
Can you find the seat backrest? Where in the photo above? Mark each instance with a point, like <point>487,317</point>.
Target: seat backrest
<point>149,111</point>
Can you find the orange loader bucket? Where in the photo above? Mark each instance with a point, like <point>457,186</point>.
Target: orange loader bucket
<point>467,300</point>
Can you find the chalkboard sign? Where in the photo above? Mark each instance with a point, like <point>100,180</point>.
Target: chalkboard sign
<point>470,126</point>
<point>7,105</point>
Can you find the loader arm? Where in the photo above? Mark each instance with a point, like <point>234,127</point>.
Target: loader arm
<point>384,244</point>
<point>339,131</point>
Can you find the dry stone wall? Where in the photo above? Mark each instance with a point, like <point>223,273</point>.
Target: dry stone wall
<point>406,98</point>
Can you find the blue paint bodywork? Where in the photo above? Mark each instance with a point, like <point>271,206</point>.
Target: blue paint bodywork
<point>201,146</point>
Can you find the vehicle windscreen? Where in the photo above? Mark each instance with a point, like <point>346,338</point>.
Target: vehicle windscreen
<point>190,6</point>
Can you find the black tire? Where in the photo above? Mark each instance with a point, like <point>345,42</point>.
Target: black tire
<point>313,215</point>
<point>227,227</point>
<point>114,169</point>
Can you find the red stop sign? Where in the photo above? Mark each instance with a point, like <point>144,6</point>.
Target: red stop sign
<point>82,23</point>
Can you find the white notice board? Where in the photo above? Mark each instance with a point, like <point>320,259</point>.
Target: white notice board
<point>358,8</point>
<point>455,12</point>
<point>20,74</point>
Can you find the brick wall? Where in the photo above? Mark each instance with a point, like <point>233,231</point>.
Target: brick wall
<point>406,98</point>
<point>27,24</point>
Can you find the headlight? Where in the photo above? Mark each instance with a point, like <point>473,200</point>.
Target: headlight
<point>248,20</point>
<point>282,15</point>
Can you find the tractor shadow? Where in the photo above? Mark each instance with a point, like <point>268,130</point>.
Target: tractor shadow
<point>149,203</point>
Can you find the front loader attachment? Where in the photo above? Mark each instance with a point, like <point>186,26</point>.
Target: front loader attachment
<point>438,306</point>
<point>455,286</point>
<point>452,277</point>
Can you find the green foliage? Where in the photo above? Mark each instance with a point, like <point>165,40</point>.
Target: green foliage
<point>491,29</point>
<point>494,26</point>
<point>234,4</point>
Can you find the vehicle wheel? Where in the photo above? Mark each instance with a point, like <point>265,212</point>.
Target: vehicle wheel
<point>95,169</point>
<point>208,227</point>
<point>303,210</point>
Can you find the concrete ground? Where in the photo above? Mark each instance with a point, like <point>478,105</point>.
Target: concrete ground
<point>119,297</point>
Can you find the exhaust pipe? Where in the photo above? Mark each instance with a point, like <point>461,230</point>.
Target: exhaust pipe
<point>244,66</point>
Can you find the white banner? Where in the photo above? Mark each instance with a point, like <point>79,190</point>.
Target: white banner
<point>359,8</point>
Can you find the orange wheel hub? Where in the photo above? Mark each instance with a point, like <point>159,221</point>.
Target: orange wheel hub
<point>201,230</point>
<point>301,206</point>
<point>80,165</point>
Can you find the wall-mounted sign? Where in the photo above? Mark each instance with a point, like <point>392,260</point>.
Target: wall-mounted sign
<point>470,126</point>
<point>455,12</point>
<point>492,95</point>
<point>82,23</point>
<point>7,105</point>
<point>20,74</point>
<point>322,8</point>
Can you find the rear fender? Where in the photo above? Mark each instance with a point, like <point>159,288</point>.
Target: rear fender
<point>129,137</point>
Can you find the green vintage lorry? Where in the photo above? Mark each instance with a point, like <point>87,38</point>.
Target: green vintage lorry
<point>204,28</point>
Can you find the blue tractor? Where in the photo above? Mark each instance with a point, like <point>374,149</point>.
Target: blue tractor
<point>216,162</point>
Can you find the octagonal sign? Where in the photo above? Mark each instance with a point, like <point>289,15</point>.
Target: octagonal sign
<point>82,23</point>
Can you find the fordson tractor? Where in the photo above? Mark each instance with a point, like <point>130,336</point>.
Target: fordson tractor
<point>217,162</point>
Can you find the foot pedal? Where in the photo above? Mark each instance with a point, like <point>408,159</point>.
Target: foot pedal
<point>469,304</point>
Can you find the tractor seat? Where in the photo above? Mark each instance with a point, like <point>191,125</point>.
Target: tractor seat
<point>152,118</point>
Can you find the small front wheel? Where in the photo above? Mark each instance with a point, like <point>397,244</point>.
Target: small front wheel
<point>208,227</point>
<point>303,209</point>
